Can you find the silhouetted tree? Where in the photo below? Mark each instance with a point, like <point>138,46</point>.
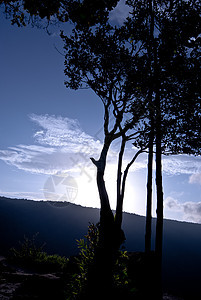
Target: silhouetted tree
<point>165,32</point>
<point>147,74</point>
<point>98,58</point>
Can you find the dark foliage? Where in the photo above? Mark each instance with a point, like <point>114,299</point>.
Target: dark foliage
<point>84,13</point>
<point>32,256</point>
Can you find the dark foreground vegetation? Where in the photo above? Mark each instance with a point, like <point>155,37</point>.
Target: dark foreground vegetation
<point>30,273</point>
<point>59,227</point>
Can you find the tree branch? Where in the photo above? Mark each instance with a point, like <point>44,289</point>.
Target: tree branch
<point>127,169</point>
<point>119,170</point>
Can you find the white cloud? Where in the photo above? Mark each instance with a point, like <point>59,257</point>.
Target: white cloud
<point>191,211</point>
<point>43,161</point>
<point>182,164</point>
<point>63,132</point>
<point>171,165</point>
<point>195,178</point>
<point>61,145</point>
<point>172,204</point>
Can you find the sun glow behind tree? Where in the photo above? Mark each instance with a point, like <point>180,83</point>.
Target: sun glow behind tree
<point>111,172</point>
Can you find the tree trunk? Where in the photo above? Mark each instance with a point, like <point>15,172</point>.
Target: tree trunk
<point>100,276</point>
<point>159,184</point>
<point>159,187</point>
<point>106,215</point>
<point>119,236</point>
<point>149,198</point>
<point>151,135</point>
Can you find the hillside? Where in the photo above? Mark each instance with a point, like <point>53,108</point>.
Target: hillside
<point>60,226</point>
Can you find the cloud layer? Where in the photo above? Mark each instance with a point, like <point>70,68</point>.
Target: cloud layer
<point>182,164</point>
<point>60,145</point>
<point>63,132</point>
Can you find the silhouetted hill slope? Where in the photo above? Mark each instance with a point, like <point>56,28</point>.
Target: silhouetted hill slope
<point>59,227</point>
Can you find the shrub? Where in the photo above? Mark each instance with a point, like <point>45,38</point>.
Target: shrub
<point>85,258</point>
<point>31,255</point>
<point>87,247</point>
<point>121,279</point>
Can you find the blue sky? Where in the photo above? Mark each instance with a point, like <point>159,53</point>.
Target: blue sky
<point>48,133</point>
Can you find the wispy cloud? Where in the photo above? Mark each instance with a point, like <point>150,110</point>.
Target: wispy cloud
<point>191,211</point>
<point>182,164</point>
<point>60,145</point>
<point>171,165</point>
<point>63,132</point>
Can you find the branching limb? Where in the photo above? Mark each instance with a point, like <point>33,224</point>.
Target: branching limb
<point>106,119</point>
<point>100,164</point>
<point>128,167</point>
<point>119,170</point>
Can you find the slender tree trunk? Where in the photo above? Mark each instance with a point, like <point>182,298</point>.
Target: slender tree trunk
<point>119,235</point>
<point>159,184</point>
<point>121,182</point>
<point>149,197</point>
<point>119,209</point>
<point>106,215</point>
<point>100,273</point>
<point>119,205</point>
<point>151,135</point>
<point>159,188</point>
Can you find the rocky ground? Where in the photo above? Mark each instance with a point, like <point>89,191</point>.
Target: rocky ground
<point>16,284</point>
<point>20,284</point>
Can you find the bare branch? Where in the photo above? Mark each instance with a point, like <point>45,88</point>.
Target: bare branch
<point>119,170</point>
<point>127,169</point>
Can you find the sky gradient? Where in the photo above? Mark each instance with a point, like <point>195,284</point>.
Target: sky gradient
<point>48,134</point>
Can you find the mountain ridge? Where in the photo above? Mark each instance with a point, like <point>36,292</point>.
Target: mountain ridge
<point>60,227</point>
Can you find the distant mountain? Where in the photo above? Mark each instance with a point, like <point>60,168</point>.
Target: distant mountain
<point>59,225</point>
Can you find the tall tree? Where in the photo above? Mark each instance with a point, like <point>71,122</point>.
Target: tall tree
<point>98,58</point>
<point>142,26</point>
<point>147,75</point>
<point>165,32</point>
